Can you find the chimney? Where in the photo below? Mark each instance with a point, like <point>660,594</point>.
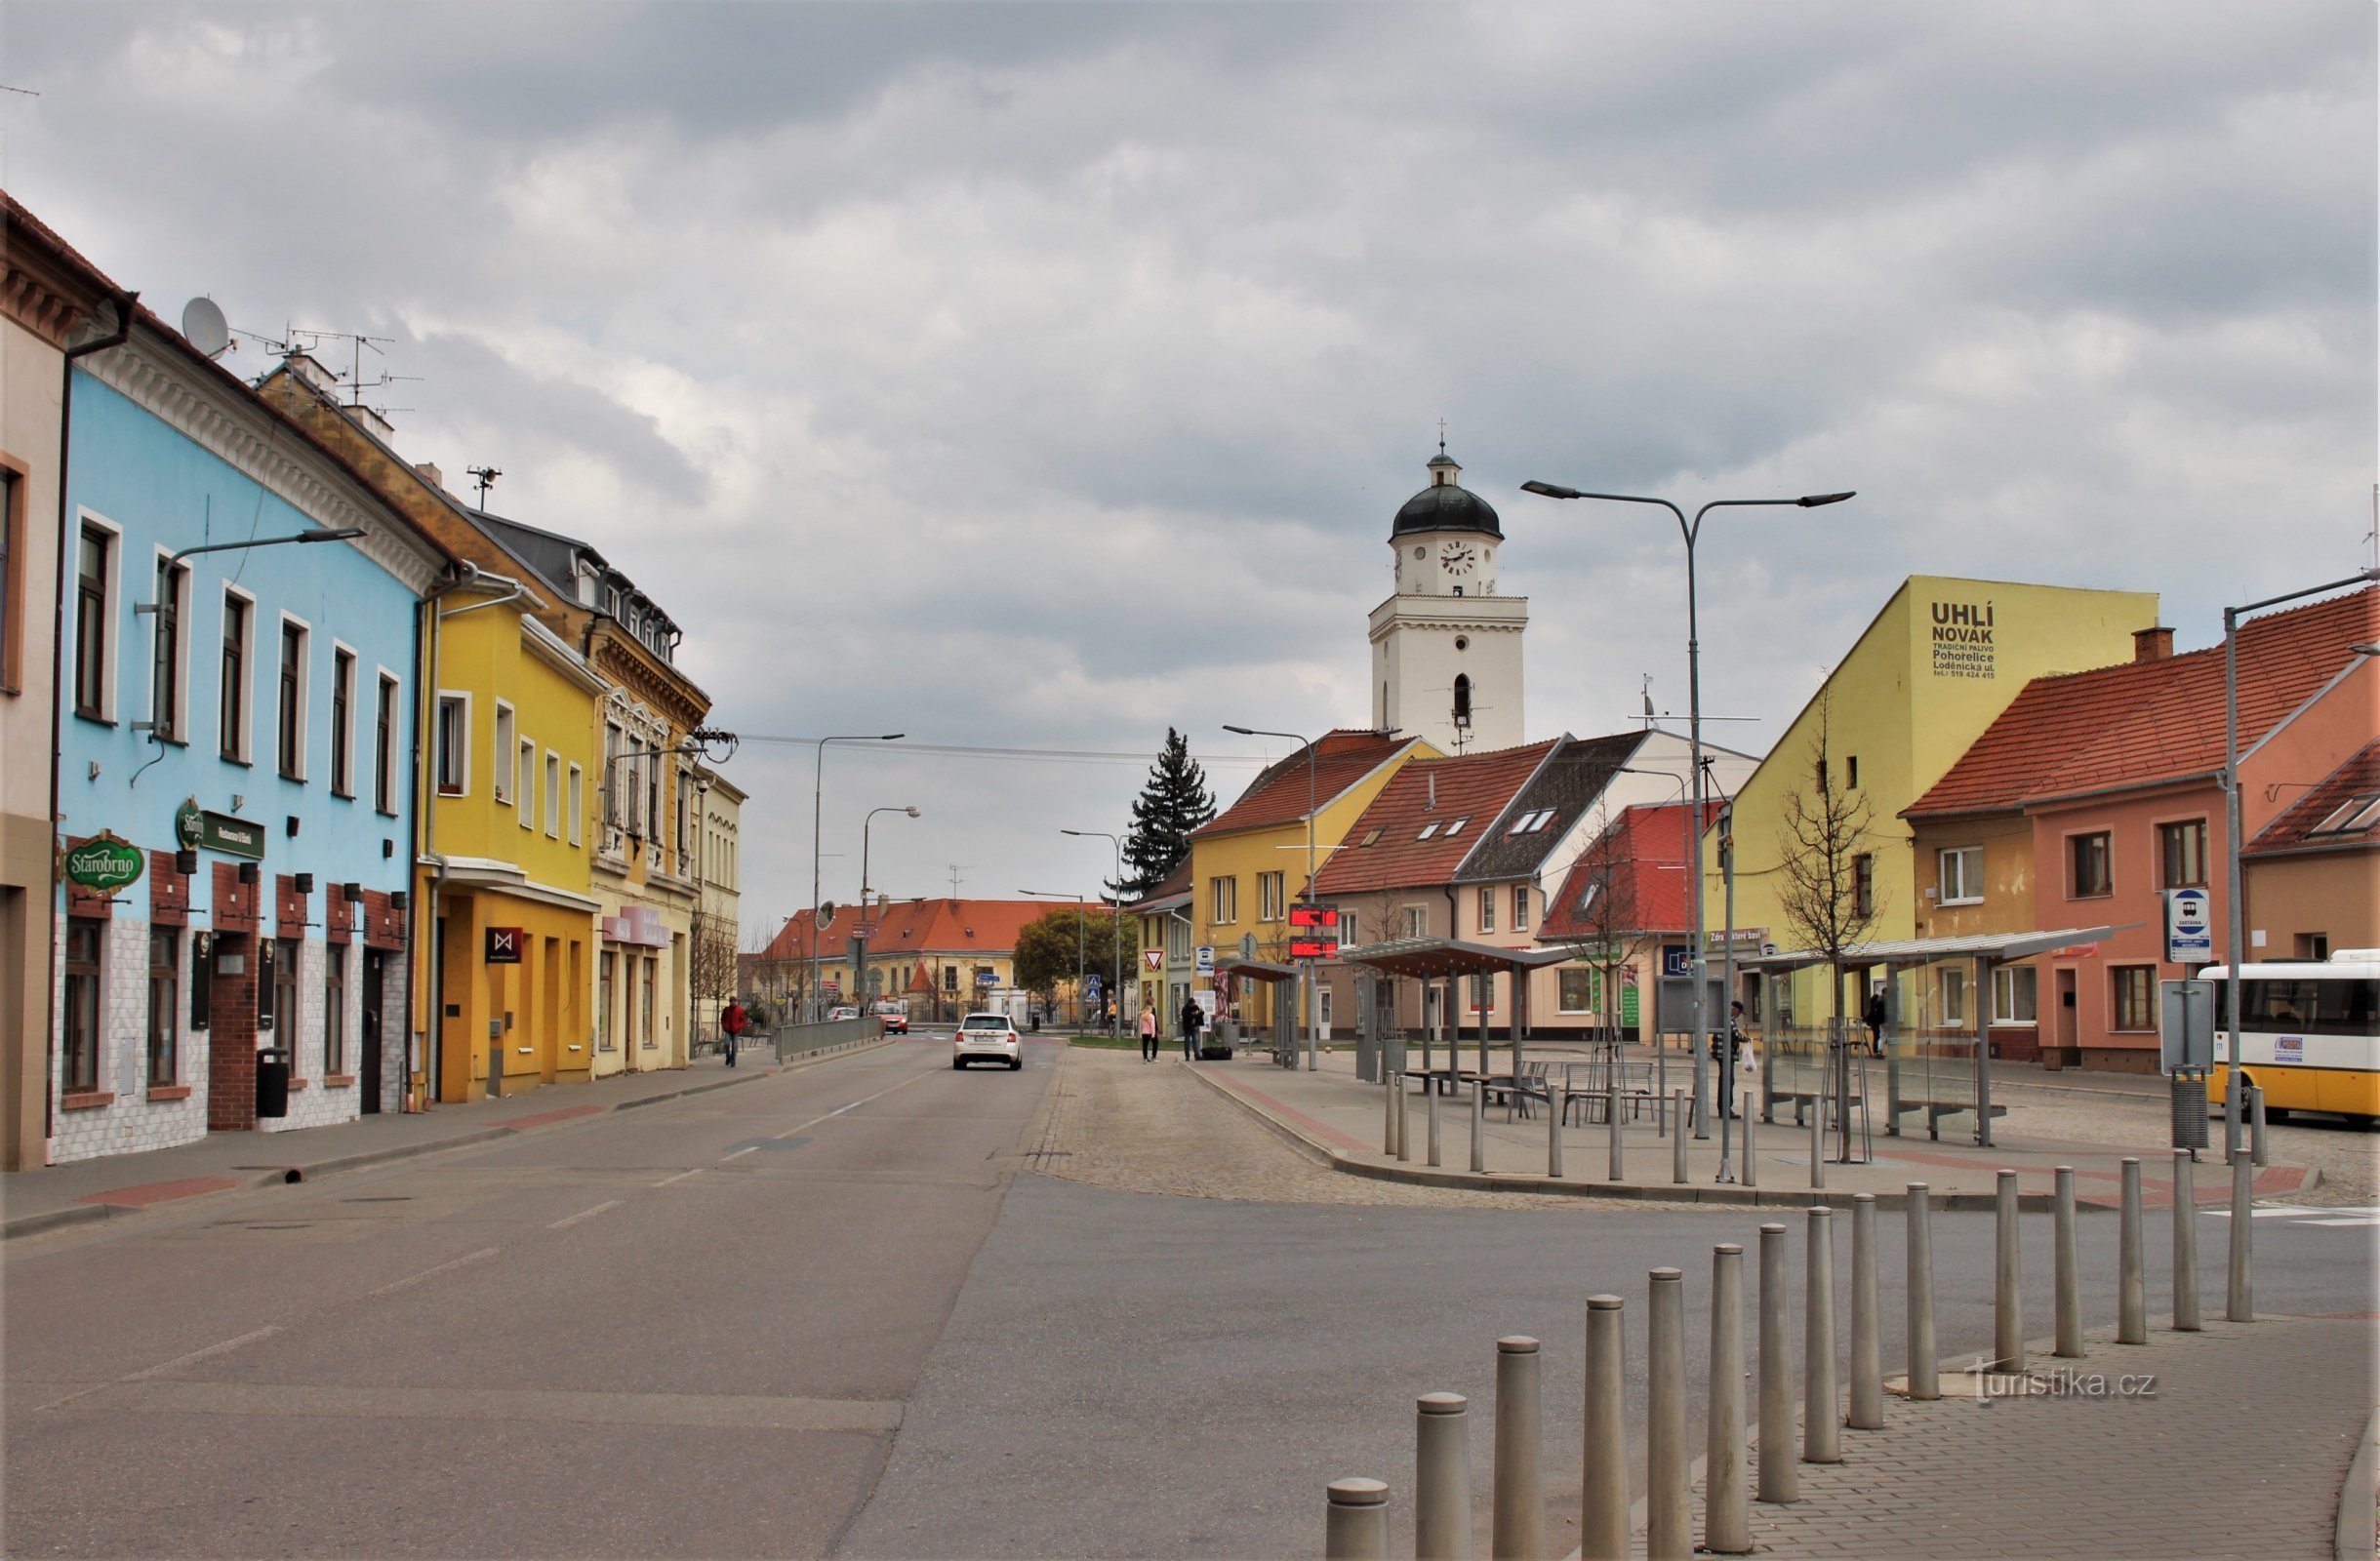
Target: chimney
<point>430,469</point>
<point>2151,644</point>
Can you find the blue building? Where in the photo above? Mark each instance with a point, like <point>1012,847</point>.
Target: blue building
<point>238,705</point>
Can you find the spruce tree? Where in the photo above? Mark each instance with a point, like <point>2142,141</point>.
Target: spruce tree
<point>1174,802</point>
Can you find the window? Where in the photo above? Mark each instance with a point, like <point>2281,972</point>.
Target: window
<point>1530,824</point>
<point>11,578</point>
<point>232,701</point>
<point>678,801</point>
<point>1429,830</point>
<point>1268,895</point>
<point>1417,921</point>
<point>1461,690</point>
<point>1520,907</point>
<point>2182,849</point>
<point>949,977</point>
<point>2315,946</point>
<point>577,800</point>
<point>1951,988</point>
<point>454,745</point>
<point>168,711</point>
<point>2135,997</point>
<point>1371,836</point>
<point>2090,872</point>
<point>611,813</point>
<point>644,1003</point>
<point>2015,995</point>
<point>605,1003</point>
<point>292,724</point>
<point>343,722</point>
<point>79,1022</point>
<point>553,796</point>
<point>651,766</point>
<point>384,747</point>
<point>286,1018</point>
<point>94,646</point>
<point>1227,901</point>
<point>164,1005</point>
<point>1487,911</point>
<point>1863,885</point>
<point>1961,879</point>
<point>1346,930</point>
<point>2355,814</point>
<point>335,1008</point>
<point>524,783</point>
<point>1455,828</point>
<point>1577,992</point>
<point>1850,770</point>
<point>1483,994</point>
<point>202,981</point>
<point>501,757</point>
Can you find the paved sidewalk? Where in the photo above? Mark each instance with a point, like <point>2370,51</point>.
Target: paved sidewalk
<point>1334,1116</point>
<point>115,1185</point>
<point>2237,1445</point>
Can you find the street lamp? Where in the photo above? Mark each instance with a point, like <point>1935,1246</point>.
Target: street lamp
<point>859,968</point>
<point>2234,939</point>
<point>1690,834</point>
<point>1691,531</point>
<point>1079,903</point>
<point>817,791</point>
<point>1306,967</point>
<point>1117,991</point>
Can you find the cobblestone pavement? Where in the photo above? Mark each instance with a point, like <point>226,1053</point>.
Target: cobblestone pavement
<point>2238,1449</point>
<point>2348,1157</point>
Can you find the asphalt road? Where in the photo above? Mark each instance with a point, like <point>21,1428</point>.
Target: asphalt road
<point>825,1314</point>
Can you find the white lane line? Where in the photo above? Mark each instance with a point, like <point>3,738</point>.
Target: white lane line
<point>396,1285</point>
<point>194,1356</point>
<point>861,1101</point>
<point>583,1214</point>
<point>680,1176</point>
<point>738,1154</point>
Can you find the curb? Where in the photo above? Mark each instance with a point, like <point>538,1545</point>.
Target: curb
<point>2354,1536</point>
<point>34,1224</point>
<point>1715,1196</point>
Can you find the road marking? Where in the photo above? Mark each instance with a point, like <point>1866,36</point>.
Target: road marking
<point>583,1214</point>
<point>855,1105</point>
<point>396,1285</point>
<point>739,1153</point>
<point>194,1356</point>
<point>2308,1214</point>
<point>680,1176</point>
<point>531,1406</point>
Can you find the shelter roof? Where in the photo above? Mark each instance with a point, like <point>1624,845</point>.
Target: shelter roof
<point>1427,819</point>
<point>2340,813</point>
<point>1279,795</point>
<point>1255,969</point>
<point>2143,723</point>
<point>1907,951</point>
<point>1433,957</point>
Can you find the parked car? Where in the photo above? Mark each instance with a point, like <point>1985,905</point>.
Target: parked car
<point>986,1037</point>
<point>835,1014</point>
<point>896,1017</point>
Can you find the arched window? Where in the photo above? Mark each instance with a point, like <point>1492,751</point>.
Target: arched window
<point>1461,693</point>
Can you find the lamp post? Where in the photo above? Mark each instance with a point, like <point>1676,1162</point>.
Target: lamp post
<point>2233,939</point>
<point>1691,531</point>
<point>1117,994</point>
<point>1690,867</point>
<point>1306,967</point>
<point>1079,903</point>
<point>859,968</point>
<point>817,791</point>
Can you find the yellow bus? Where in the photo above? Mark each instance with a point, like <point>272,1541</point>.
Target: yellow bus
<point>2311,1037</point>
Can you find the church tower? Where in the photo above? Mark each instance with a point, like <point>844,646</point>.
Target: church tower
<point>1445,647</point>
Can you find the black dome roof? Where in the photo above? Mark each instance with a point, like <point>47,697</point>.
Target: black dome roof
<point>1444,507</point>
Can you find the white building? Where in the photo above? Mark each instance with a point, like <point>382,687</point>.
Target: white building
<point>1446,661</point>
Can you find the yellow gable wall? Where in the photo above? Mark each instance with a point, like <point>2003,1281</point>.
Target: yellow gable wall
<point>1907,700</point>
<point>486,655</point>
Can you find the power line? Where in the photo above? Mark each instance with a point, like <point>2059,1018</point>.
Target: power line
<point>1032,755</point>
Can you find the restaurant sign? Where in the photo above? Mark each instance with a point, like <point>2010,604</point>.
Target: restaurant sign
<point>106,865</point>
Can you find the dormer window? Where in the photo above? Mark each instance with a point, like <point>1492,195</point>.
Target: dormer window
<point>1455,828</point>
<point>1428,830</point>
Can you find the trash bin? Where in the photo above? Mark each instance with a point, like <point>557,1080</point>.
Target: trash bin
<point>272,1081</point>
<point>2189,1109</point>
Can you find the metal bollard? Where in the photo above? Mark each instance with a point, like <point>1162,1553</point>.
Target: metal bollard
<point>2240,1295</point>
<point>1669,1524</point>
<point>2185,1243</point>
<point>2131,1299</point>
<point>1603,1483</point>
<point>1404,1119</point>
<point>1520,1495</point>
<point>1478,1124</point>
<point>1430,1089</point>
<point>1750,1175</point>
<point>2067,1270</point>
<point>1818,1142</point>
<point>1388,1131</point>
<point>2256,1140</point>
<point>1617,1170</point>
<point>1924,1376</point>
<point>1867,1341</point>
<point>1726,1516</point>
<point>1553,1132</point>
<point>1777,1475</point>
<point>1441,1477</point>
<point>1822,1440</point>
<point>2008,1283</point>
<point>1355,1524</point>
<point>1677,1149</point>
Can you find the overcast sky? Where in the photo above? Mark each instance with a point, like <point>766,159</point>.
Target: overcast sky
<point>1043,376</point>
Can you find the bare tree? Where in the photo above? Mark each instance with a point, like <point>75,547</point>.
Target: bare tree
<point>1828,881</point>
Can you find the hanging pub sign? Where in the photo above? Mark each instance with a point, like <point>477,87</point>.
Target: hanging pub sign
<point>104,865</point>
<point>195,827</point>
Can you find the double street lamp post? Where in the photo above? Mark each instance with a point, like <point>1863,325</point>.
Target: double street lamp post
<point>1116,993</point>
<point>1306,967</point>
<point>1691,531</point>
<point>818,793</point>
<point>859,967</point>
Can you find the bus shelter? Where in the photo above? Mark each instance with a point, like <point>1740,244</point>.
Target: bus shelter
<point>1449,960</point>
<point>1284,1042</point>
<point>1934,1089</point>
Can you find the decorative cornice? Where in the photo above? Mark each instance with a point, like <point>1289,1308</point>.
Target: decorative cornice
<point>242,431</point>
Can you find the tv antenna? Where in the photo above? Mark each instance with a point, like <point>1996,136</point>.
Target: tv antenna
<point>356,344</point>
<point>956,868</point>
<point>486,476</point>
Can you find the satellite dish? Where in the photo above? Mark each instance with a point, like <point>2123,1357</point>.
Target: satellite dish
<point>204,325</point>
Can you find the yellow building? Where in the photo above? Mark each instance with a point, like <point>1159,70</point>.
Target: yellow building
<point>1924,678</point>
<point>1249,863</point>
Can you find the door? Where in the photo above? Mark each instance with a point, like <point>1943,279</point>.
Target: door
<point>374,968</point>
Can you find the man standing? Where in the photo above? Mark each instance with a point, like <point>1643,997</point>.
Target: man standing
<point>1875,1017</point>
<point>1191,1016</point>
<point>734,1021</point>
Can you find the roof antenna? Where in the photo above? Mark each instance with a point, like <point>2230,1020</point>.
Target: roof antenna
<point>486,475</point>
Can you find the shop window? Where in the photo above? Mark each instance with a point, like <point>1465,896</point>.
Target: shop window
<point>335,1008</point>
<point>79,1020</point>
<point>606,968</point>
<point>1577,990</point>
<point>164,1006</point>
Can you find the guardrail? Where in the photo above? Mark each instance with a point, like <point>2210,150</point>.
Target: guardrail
<point>801,1040</point>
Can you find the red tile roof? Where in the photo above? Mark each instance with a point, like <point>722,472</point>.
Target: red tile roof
<point>1172,886</point>
<point>2294,830</point>
<point>914,926</point>
<point>1473,788</point>
<point>2147,722</point>
<point>1279,795</point>
<point>1646,852</point>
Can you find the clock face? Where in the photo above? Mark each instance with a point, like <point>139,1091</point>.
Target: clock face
<point>1458,558</point>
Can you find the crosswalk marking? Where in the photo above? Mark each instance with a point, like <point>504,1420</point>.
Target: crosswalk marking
<point>2303,1213</point>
